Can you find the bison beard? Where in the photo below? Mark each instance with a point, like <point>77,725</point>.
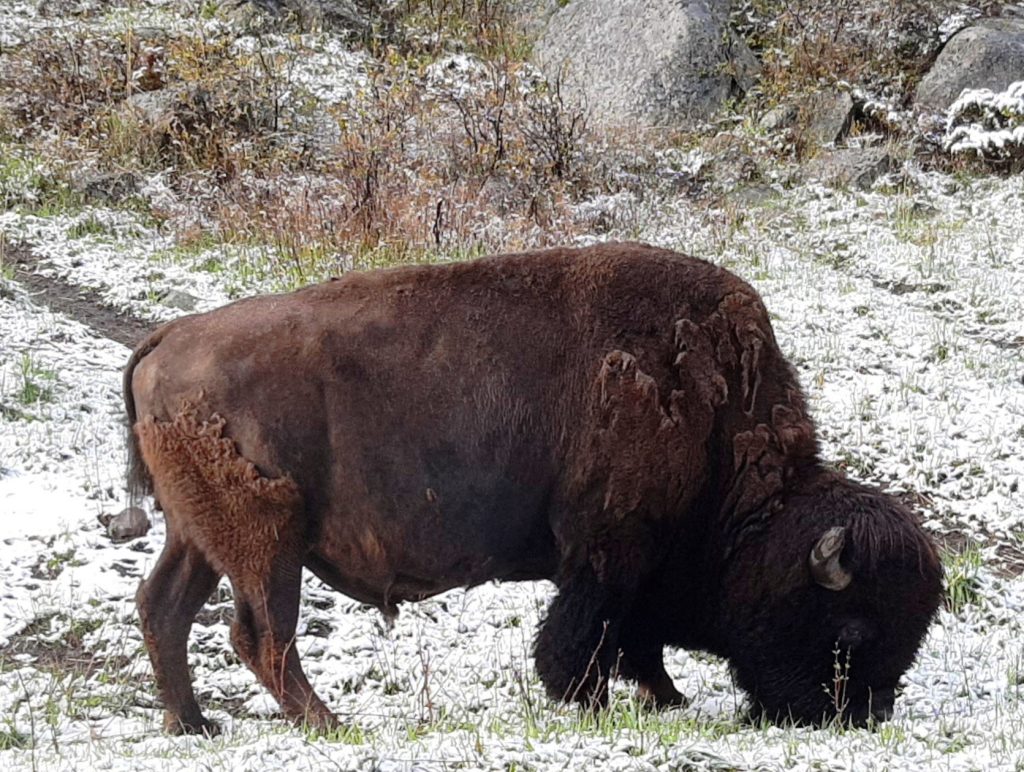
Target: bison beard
<point>617,419</point>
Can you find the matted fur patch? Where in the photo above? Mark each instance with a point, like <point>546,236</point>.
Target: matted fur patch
<point>216,498</point>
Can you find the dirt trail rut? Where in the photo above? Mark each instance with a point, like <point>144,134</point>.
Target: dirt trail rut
<point>79,303</point>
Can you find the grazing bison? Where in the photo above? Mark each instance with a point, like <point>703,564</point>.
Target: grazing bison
<point>617,419</point>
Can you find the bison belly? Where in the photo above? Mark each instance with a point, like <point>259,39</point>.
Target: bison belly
<point>411,481</point>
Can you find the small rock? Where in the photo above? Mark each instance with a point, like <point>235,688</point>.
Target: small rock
<point>106,187</point>
<point>828,117</point>
<point>178,299</point>
<point>855,167</point>
<point>154,108</point>
<point>779,117</point>
<point>126,525</point>
<point>753,195</point>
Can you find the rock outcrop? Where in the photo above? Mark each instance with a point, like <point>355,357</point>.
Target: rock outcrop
<point>989,54</point>
<point>647,62</point>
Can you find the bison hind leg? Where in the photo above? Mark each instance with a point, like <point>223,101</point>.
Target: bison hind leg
<point>263,634</point>
<point>577,645</point>
<point>251,528</point>
<point>168,601</point>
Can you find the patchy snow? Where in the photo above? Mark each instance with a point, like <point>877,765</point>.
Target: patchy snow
<point>901,308</point>
<point>901,312</point>
<point>33,507</point>
<point>321,65</point>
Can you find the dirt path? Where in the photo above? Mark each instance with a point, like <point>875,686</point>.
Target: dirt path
<point>79,303</point>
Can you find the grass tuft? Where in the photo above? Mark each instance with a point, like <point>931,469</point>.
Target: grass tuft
<point>963,569</point>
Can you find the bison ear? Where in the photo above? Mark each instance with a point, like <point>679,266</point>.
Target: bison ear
<point>824,560</point>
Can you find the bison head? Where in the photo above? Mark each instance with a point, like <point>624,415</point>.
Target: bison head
<point>828,604</point>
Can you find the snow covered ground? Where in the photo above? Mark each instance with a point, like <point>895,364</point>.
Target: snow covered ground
<point>901,308</point>
<point>903,313</point>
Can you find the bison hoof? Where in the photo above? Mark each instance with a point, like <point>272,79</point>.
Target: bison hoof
<point>331,730</point>
<point>176,726</point>
<point>662,698</point>
<point>318,722</point>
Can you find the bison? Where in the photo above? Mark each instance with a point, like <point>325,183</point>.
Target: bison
<point>617,419</point>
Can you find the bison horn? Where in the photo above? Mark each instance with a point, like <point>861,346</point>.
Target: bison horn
<point>824,560</point>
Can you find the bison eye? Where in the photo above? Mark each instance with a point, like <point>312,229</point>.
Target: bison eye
<point>855,633</point>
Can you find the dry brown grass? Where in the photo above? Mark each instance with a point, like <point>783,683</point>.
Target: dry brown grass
<point>417,170</point>
<point>878,44</point>
<point>419,164</point>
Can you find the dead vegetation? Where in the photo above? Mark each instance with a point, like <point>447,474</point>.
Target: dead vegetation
<point>430,151</point>
<point>881,46</point>
<point>441,139</point>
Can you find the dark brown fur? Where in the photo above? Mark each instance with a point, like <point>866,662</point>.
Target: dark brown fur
<point>618,419</point>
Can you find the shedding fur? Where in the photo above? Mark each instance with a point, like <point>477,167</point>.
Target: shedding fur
<point>618,419</point>
<point>240,519</point>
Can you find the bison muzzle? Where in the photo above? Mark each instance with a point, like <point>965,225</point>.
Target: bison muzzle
<point>616,419</point>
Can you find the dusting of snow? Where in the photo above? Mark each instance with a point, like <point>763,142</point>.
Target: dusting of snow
<point>455,76</point>
<point>320,65</point>
<point>902,314</point>
<point>900,307</point>
<point>955,22</point>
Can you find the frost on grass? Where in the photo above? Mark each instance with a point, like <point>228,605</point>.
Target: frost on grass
<point>900,308</point>
<point>901,313</point>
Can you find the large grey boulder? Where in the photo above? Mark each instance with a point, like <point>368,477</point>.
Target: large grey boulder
<point>646,62</point>
<point>989,54</point>
<point>532,15</point>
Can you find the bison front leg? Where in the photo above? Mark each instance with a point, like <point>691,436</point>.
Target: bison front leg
<point>643,663</point>
<point>263,634</point>
<point>168,602</point>
<point>577,644</point>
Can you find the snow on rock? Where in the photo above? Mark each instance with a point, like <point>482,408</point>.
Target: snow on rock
<point>900,307</point>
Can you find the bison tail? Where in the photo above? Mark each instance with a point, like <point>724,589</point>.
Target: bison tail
<point>139,480</point>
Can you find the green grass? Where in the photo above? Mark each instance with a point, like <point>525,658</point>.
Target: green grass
<point>88,226</point>
<point>36,383</point>
<point>13,739</point>
<point>33,184</point>
<point>963,569</point>
<point>21,177</point>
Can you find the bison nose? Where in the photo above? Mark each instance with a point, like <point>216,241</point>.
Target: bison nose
<point>882,713</point>
<point>855,633</point>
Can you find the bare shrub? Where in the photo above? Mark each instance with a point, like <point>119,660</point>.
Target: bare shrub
<point>554,129</point>
<point>426,26</point>
<point>374,162</point>
<point>884,45</point>
<point>60,80</point>
<point>246,153</point>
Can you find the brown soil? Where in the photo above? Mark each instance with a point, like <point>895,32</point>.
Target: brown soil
<point>79,303</point>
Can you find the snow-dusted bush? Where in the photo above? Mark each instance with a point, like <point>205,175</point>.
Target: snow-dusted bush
<point>987,124</point>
